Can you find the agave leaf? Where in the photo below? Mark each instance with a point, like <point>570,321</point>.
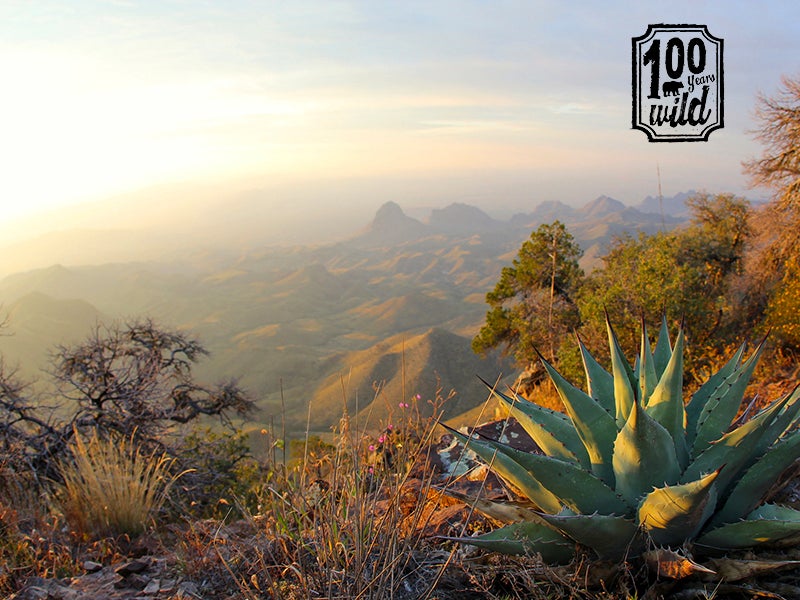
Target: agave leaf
<point>758,479</point>
<point>594,425</point>
<point>600,382</point>
<point>784,422</point>
<point>775,512</point>
<point>666,402</point>
<point>624,378</point>
<point>663,351</point>
<point>723,404</point>
<point>700,398</point>
<point>735,448</point>
<point>671,564</point>
<point>644,456</point>
<point>571,485</point>
<point>574,486</point>
<point>552,431</point>
<point>612,537</point>
<point>646,368</point>
<point>768,524</point>
<point>504,511</point>
<point>676,513</point>
<point>529,537</point>
<point>731,569</point>
<point>511,471</point>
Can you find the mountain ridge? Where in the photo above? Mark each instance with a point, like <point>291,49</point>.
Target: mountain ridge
<point>286,320</point>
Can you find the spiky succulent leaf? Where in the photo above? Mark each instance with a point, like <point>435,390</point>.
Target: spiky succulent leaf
<point>594,425</point>
<point>672,564</point>
<point>636,438</point>
<point>768,524</point>
<point>612,537</point>
<point>663,351</point>
<point>781,416</point>
<point>676,513</point>
<point>529,537</point>
<point>646,368</point>
<point>575,487</point>
<point>724,403</point>
<point>600,383</point>
<point>700,398</point>
<point>644,456</point>
<point>624,396</point>
<point>552,431</point>
<point>665,405</point>
<point>785,422</point>
<point>735,449</point>
<point>730,569</point>
<point>511,471</point>
<point>504,511</point>
<point>748,492</point>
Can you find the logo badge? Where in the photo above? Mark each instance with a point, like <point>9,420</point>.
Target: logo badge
<point>677,83</point>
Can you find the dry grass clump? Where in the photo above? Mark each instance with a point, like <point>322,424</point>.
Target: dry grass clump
<point>111,487</point>
<point>343,520</point>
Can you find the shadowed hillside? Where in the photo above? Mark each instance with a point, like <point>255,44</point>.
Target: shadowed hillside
<point>398,369</point>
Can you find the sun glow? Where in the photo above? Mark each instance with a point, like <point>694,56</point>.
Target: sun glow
<point>105,98</point>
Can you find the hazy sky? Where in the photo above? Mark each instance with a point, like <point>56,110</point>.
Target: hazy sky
<point>521,98</point>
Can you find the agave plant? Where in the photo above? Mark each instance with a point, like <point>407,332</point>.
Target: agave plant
<point>631,465</point>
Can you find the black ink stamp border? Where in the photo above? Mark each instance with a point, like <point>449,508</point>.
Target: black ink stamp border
<point>653,136</point>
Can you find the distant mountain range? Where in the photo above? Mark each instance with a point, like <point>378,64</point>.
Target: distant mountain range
<point>385,312</point>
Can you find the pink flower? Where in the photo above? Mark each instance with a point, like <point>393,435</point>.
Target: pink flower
<point>390,427</point>
<point>372,447</point>
<point>381,439</point>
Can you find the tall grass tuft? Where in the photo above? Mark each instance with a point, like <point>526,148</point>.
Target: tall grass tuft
<point>111,487</point>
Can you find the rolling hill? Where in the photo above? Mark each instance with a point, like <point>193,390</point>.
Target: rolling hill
<point>392,306</point>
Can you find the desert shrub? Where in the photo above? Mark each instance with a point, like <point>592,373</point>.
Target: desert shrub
<point>111,487</point>
<point>222,475</point>
<point>131,380</point>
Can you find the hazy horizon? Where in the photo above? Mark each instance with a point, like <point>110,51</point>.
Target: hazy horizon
<point>351,104</point>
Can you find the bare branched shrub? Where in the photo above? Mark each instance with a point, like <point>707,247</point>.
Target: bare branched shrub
<point>132,380</point>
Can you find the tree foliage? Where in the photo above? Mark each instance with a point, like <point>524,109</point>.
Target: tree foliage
<point>532,306</point>
<point>778,168</point>
<point>135,380</point>
<point>640,277</point>
<point>686,273</point>
<point>775,265</point>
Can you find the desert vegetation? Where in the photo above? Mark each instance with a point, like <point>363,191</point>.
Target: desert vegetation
<point>672,475</point>
<point>386,509</point>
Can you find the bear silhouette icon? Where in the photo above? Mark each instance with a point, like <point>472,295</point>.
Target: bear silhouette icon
<point>671,88</point>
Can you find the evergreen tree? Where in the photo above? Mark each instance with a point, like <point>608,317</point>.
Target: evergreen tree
<point>532,306</point>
